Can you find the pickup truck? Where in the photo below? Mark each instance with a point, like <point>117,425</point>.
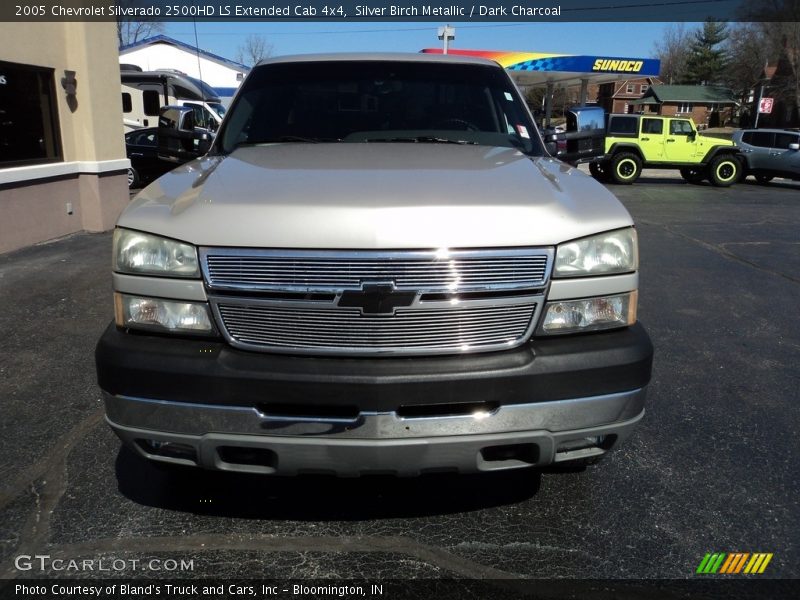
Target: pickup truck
<point>375,267</point>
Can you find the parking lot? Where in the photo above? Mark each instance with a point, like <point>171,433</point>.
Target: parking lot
<point>713,466</point>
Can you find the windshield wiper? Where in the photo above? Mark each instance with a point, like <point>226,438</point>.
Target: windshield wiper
<point>422,139</point>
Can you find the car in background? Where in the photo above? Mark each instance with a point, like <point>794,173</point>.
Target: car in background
<point>636,142</point>
<point>769,153</point>
<point>141,147</point>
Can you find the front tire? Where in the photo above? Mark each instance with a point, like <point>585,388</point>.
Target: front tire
<point>693,175</point>
<point>133,178</point>
<point>625,168</point>
<point>724,171</point>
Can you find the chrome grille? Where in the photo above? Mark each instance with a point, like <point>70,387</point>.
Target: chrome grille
<point>376,302</point>
<point>413,330</point>
<point>311,270</point>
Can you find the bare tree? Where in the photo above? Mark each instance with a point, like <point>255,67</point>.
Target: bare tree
<point>673,50</point>
<point>254,49</point>
<point>131,31</point>
<point>748,49</point>
<point>779,24</point>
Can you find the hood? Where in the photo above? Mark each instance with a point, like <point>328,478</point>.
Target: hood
<point>375,196</point>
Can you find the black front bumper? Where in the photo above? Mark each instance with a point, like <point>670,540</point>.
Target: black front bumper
<point>212,373</point>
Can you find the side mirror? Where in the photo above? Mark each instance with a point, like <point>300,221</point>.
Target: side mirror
<point>692,136</point>
<point>586,134</point>
<point>555,143</point>
<point>794,147</point>
<point>178,139</point>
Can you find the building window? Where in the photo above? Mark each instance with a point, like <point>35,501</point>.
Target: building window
<point>29,130</point>
<point>645,87</point>
<point>629,89</point>
<point>127,104</point>
<point>685,107</point>
<point>152,102</point>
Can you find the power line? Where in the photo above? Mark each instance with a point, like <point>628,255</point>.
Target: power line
<point>349,31</point>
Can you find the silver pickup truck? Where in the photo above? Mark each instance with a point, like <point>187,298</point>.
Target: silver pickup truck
<point>376,267</point>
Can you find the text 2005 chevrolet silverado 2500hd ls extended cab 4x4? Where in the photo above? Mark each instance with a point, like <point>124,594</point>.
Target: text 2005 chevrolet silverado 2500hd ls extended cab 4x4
<point>376,268</point>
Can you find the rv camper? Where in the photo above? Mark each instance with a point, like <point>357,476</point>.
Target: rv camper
<point>145,92</point>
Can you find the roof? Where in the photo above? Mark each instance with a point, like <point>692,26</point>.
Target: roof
<point>379,56</point>
<point>163,39</point>
<point>538,68</point>
<point>702,94</point>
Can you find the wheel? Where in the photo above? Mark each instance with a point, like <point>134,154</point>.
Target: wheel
<point>724,170</point>
<point>599,171</point>
<point>693,175</point>
<point>625,168</point>
<point>763,179</point>
<point>133,178</point>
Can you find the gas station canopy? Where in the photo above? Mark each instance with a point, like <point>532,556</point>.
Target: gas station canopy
<point>561,70</point>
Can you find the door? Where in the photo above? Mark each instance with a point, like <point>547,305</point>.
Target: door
<point>651,139</point>
<point>757,146</point>
<point>782,158</point>
<point>680,145</point>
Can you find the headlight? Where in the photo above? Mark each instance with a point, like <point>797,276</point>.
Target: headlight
<point>604,254</point>
<point>161,315</point>
<point>589,314</point>
<point>146,254</point>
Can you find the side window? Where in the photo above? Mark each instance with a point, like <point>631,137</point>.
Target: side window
<point>679,127</point>
<point>623,126</point>
<point>127,105</point>
<point>763,139</point>
<point>654,126</point>
<point>202,117</point>
<point>782,140</point>
<point>151,103</point>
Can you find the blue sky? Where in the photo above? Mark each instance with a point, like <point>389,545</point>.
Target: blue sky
<point>616,39</point>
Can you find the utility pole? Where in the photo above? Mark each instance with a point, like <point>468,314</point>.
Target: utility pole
<point>758,105</point>
<point>760,96</point>
<point>446,34</point>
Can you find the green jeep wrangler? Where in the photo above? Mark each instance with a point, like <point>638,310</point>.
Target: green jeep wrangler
<point>634,142</point>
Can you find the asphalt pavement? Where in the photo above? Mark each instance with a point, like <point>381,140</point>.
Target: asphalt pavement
<point>713,467</point>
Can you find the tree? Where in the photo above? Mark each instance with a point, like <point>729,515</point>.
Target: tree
<point>130,31</point>
<point>673,52</point>
<point>778,22</point>
<point>748,51</point>
<point>254,49</point>
<point>707,59</point>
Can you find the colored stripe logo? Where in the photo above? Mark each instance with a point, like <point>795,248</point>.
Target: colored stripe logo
<point>734,563</point>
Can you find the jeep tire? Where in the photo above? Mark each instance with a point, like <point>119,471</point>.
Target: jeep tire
<point>625,168</point>
<point>724,170</point>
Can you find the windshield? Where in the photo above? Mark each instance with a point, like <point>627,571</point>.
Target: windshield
<point>217,108</point>
<point>207,90</point>
<point>379,102</point>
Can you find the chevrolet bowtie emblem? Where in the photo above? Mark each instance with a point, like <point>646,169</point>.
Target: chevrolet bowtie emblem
<point>379,298</point>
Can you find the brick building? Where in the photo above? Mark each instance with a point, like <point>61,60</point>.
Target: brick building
<point>618,96</point>
<point>708,106</point>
